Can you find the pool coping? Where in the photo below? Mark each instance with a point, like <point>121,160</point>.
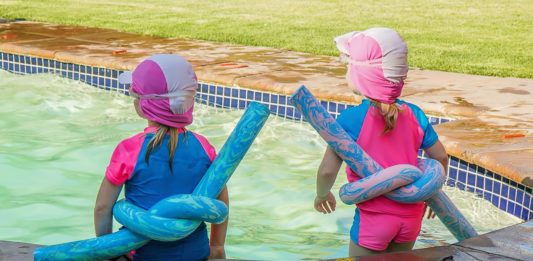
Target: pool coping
<point>513,242</point>
<point>497,144</point>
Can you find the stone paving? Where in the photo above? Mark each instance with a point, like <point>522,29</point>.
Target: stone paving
<point>495,115</point>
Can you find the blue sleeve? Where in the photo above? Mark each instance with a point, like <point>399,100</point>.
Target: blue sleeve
<point>430,136</point>
<point>351,119</point>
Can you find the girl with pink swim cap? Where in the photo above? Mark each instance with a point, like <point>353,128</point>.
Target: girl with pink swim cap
<point>164,160</point>
<point>390,130</point>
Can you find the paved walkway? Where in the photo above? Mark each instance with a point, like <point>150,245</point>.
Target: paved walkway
<point>496,114</point>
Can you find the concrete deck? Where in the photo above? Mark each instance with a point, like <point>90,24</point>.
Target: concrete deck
<point>16,251</point>
<point>496,114</point>
<point>511,243</point>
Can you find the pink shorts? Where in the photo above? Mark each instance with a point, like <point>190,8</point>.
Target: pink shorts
<point>376,231</point>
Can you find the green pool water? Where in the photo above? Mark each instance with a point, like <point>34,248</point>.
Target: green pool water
<point>56,137</point>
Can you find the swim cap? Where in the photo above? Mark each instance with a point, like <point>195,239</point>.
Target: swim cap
<point>166,85</point>
<point>377,60</point>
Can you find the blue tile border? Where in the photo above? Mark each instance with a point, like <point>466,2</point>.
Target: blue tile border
<point>507,195</point>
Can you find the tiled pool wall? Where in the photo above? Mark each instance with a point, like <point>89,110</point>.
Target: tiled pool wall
<point>507,195</point>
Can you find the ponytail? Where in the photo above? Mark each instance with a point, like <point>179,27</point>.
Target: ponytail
<point>390,114</point>
<point>157,139</point>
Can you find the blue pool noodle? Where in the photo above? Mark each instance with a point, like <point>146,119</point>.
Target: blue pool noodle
<point>358,160</point>
<point>125,240</point>
<point>403,183</point>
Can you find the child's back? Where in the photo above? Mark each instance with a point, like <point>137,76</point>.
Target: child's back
<point>147,183</point>
<point>400,145</point>
<point>152,181</point>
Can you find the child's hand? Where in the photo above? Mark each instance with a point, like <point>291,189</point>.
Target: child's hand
<point>430,213</point>
<point>217,252</point>
<point>325,205</point>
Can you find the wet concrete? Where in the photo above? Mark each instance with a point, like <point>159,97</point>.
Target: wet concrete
<point>506,149</point>
<point>16,251</point>
<point>496,113</point>
<point>511,243</point>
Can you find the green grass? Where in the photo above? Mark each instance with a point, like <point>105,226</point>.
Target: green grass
<point>489,37</point>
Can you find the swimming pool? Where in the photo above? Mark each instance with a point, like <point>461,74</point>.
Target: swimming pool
<point>56,137</point>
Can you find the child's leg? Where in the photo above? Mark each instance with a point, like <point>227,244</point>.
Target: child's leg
<point>395,247</point>
<point>356,250</point>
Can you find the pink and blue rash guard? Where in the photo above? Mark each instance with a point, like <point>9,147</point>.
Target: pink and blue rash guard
<point>148,183</point>
<point>365,124</point>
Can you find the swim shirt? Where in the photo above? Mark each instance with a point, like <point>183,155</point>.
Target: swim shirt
<point>146,183</point>
<point>365,124</point>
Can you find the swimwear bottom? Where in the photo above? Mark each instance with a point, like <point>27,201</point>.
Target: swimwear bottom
<point>376,231</point>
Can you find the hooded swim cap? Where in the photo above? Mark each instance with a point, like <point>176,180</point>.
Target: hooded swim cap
<point>377,61</point>
<point>166,85</point>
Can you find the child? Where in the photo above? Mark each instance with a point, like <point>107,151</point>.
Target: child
<point>390,130</point>
<point>164,160</point>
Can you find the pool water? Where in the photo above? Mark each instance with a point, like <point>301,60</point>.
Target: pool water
<point>56,137</point>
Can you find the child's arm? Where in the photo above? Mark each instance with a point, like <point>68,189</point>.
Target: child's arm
<point>327,173</point>
<point>437,152</point>
<point>103,209</point>
<point>218,231</point>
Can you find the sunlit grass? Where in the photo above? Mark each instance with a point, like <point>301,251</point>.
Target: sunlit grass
<point>477,37</point>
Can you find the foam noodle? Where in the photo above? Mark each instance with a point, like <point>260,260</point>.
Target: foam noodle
<point>416,186</point>
<point>175,217</point>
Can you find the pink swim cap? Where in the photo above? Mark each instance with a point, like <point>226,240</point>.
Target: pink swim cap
<point>377,62</point>
<point>166,85</point>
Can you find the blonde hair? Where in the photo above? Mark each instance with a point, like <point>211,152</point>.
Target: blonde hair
<point>389,112</point>
<point>157,139</point>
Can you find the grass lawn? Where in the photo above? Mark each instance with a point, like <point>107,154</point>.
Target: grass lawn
<point>489,37</point>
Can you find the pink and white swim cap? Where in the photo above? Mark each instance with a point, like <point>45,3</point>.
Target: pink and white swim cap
<point>166,85</point>
<point>377,62</point>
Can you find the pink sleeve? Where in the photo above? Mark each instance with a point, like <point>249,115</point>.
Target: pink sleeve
<point>351,175</point>
<point>208,148</point>
<point>124,159</point>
